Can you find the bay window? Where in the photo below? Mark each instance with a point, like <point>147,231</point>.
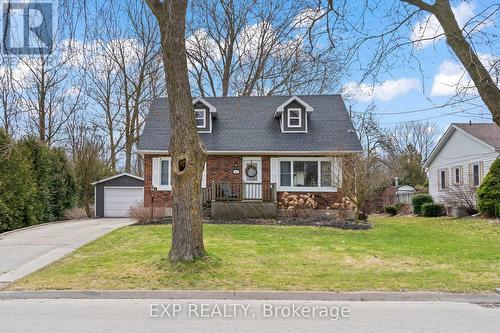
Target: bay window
<point>306,174</point>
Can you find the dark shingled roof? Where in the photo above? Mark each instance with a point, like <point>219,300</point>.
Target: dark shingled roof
<point>488,133</point>
<point>248,124</point>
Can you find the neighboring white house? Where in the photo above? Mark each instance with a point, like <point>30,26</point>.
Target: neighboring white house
<point>462,157</point>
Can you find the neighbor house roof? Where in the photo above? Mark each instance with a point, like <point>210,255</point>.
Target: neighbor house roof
<point>487,133</point>
<point>247,124</point>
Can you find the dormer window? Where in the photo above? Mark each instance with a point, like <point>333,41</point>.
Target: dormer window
<point>204,114</point>
<point>201,119</point>
<point>294,117</point>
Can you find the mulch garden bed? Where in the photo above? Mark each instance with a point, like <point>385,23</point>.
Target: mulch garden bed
<point>301,221</point>
<point>297,221</point>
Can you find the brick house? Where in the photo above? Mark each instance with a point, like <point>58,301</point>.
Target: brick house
<point>257,146</point>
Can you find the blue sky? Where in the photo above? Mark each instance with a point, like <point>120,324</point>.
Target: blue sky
<point>407,87</point>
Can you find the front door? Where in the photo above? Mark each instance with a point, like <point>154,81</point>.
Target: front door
<point>252,178</point>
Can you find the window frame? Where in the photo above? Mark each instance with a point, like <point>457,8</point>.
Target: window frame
<point>334,170</point>
<point>454,174</point>
<point>443,186</point>
<point>299,117</point>
<point>160,162</point>
<point>472,165</point>
<point>204,112</point>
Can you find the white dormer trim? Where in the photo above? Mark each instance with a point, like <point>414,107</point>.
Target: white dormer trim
<point>211,108</point>
<point>212,113</point>
<point>281,108</point>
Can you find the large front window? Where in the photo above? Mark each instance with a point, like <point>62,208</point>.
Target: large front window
<point>306,174</point>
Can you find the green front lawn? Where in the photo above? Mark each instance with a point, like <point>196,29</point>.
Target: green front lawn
<point>398,254</point>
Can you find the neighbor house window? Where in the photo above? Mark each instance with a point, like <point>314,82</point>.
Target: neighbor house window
<point>165,172</point>
<point>442,180</point>
<point>307,174</point>
<point>476,181</point>
<point>201,121</point>
<point>457,175</point>
<point>294,118</point>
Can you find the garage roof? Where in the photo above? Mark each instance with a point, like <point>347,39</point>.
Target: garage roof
<point>125,174</point>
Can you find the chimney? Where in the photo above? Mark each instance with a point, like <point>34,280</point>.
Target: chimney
<point>396,181</point>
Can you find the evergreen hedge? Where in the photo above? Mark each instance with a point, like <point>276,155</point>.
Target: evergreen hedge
<point>419,200</point>
<point>36,183</point>
<point>391,210</point>
<point>488,194</point>
<point>432,209</point>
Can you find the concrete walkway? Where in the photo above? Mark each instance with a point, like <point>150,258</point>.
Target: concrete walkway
<point>27,250</point>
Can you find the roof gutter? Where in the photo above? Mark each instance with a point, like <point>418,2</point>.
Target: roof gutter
<point>264,152</point>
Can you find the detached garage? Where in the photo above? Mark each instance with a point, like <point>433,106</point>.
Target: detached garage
<point>115,195</point>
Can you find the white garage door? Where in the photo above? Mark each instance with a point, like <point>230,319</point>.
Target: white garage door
<point>117,200</point>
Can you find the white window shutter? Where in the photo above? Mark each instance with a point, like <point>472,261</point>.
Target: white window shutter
<point>156,172</point>
<point>204,177</point>
<point>274,170</point>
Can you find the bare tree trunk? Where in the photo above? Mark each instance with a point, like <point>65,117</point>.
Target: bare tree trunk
<point>485,85</point>
<point>188,154</point>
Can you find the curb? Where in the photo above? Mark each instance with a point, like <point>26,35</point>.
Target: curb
<point>256,295</point>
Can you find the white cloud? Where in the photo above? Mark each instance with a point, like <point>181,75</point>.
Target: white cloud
<point>428,30</point>
<point>452,78</point>
<point>385,91</point>
<point>305,18</point>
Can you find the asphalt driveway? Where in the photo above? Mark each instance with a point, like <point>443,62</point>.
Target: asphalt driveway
<point>25,251</point>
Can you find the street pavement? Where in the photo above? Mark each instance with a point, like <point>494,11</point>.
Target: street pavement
<point>143,315</point>
<point>27,250</point>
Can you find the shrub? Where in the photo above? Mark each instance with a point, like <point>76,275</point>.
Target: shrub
<point>497,210</point>
<point>17,186</point>
<point>399,205</point>
<point>432,209</point>
<point>363,216</point>
<point>76,213</point>
<point>391,210</point>
<point>418,200</point>
<point>488,193</point>
<point>55,181</point>
<point>346,209</point>
<point>143,214</point>
<point>297,201</point>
